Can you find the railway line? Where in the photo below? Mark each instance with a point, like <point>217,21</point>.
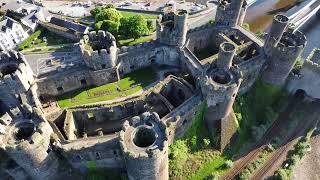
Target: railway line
<point>280,122</point>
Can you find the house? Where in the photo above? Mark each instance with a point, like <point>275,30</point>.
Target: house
<point>31,20</point>
<point>65,28</point>
<point>11,33</point>
<point>71,26</point>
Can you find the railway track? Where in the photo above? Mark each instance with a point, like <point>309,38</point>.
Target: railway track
<point>300,129</point>
<point>278,124</point>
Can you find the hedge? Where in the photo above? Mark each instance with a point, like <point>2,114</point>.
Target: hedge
<point>29,40</point>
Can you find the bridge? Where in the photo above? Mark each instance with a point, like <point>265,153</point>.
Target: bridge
<point>304,14</point>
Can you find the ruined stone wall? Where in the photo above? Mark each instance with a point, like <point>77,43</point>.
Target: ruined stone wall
<point>179,120</point>
<point>99,50</point>
<point>230,13</point>
<point>250,70</point>
<point>200,37</point>
<point>70,126</point>
<point>74,79</point>
<point>104,151</point>
<point>68,81</point>
<point>31,150</point>
<point>142,55</point>
<point>20,80</point>
<point>172,31</point>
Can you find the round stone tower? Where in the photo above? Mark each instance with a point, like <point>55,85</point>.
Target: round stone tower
<point>282,49</point>
<point>144,142</point>
<point>279,26</point>
<point>99,50</point>
<point>172,27</point>
<point>231,12</point>
<point>28,144</point>
<point>220,84</point>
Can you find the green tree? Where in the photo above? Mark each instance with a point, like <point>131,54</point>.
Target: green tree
<point>133,27</point>
<point>108,25</point>
<point>96,10</point>
<point>110,6</point>
<point>109,14</point>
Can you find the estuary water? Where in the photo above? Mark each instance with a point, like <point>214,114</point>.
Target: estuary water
<point>260,16</point>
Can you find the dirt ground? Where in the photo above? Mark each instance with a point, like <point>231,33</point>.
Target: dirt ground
<point>309,166</point>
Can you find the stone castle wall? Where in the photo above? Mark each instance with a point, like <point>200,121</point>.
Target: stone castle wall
<point>75,79</point>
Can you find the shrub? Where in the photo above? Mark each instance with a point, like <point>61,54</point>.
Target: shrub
<point>212,176</point>
<point>245,174</point>
<point>281,174</point>
<point>298,65</point>
<point>178,154</point>
<point>212,22</point>
<point>246,26</point>
<point>193,142</point>
<point>228,164</point>
<point>206,142</point>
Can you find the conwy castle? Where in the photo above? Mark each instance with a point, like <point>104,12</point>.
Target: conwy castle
<point>132,133</point>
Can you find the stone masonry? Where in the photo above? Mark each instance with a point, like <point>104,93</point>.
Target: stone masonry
<point>131,134</point>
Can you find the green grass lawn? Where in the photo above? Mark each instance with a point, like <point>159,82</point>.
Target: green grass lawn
<point>128,85</point>
<point>130,42</point>
<point>145,15</point>
<point>43,39</point>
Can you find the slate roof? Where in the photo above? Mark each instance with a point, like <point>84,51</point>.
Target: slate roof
<point>30,19</point>
<point>69,25</point>
<point>7,23</point>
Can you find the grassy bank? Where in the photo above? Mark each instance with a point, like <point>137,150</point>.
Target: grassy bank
<point>193,156</point>
<point>255,112</point>
<point>130,84</point>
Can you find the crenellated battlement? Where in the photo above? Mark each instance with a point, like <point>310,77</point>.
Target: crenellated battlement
<point>172,28</point>
<point>99,50</point>
<point>231,13</point>
<point>144,143</point>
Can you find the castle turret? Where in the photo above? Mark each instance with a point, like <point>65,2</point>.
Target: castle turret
<point>144,142</point>
<point>99,50</point>
<point>27,142</point>
<point>220,84</point>
<point>231,12</point>
<point>279,26</point>
<point>282,49</point>
<point>172,27</point>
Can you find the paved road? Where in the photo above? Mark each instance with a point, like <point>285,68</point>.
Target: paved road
<point>203,19</point>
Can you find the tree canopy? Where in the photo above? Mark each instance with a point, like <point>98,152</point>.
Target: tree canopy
<point>108,25</point>
<point>133,27</point>
<point>109,14</point>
